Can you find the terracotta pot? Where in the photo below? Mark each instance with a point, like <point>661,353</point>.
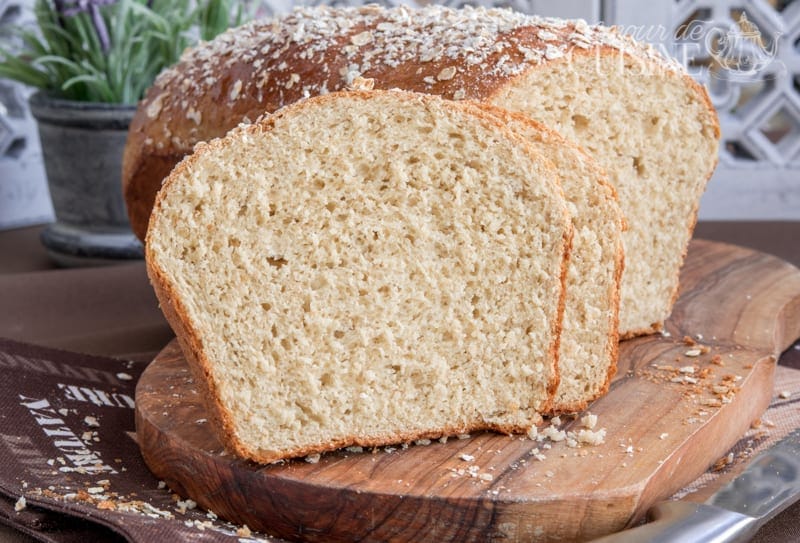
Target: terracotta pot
<point>82,145</point>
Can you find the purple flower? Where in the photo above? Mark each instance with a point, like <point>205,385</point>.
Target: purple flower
<point>70,8</point>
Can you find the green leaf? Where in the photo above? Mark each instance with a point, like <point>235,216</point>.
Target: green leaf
<point>95,84</point>
<point>67,54</point>
<point>24,73</point>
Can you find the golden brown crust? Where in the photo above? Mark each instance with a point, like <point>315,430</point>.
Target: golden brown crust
<point>188,338</point>
<point>191,342</point>
<point>558,322</point>
<point>259,68</point>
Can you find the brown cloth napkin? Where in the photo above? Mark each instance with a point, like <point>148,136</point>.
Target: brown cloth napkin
<point>70,468</point>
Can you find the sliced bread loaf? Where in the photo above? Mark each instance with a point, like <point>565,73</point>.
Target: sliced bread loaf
<point>364,268</point>
<point>588,350</point>
<point>646,122</point>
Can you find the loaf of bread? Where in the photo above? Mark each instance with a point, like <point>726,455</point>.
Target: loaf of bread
<point>645,121</point>
<point>364,268</point>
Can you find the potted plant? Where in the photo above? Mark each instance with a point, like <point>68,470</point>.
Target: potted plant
<point>91,61</point>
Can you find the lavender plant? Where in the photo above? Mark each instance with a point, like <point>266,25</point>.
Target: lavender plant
<point>110,50</point>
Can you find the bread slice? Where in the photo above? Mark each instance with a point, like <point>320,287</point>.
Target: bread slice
<point>654,131</point>
<point>587,358</point>
<point>640,115</point>
<point>364,268</point>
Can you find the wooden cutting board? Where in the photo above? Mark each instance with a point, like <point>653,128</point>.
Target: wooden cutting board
<point>668,417</point>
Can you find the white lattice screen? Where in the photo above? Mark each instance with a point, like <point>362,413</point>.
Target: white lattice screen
<point>24,198</point>
<point>748,54</point>
<point>746,51</point>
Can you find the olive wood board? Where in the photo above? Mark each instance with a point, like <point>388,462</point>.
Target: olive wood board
<point>664,427</point>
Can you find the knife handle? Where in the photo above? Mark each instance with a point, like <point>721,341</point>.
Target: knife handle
<point>675,521</point>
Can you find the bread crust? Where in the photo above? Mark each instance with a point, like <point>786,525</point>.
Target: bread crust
<point>190,339</point>
<point>266,65</point>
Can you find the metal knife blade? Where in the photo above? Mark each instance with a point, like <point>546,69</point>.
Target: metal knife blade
<point>769,484</point>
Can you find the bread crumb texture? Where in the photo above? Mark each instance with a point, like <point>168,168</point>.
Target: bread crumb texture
<point>588,343</point>
<point>656,137</point>
<point>365,268</point>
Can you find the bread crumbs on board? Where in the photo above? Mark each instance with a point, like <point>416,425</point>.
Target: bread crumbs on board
<point>20,504</point>
<point>699,379</point>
